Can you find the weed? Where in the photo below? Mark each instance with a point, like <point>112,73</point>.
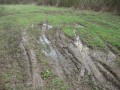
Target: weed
<point>46,74</point>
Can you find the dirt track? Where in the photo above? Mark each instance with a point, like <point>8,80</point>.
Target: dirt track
<point>80,67</point>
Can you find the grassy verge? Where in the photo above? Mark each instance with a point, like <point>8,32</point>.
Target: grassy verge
<point>99,28</point>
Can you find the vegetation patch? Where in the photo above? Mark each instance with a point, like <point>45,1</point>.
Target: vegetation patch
<point>99,28</point>
<point>46,74</point>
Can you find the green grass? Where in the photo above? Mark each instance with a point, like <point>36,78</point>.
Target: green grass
<point>99,28</point>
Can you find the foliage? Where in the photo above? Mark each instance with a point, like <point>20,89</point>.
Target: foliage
<point>46,74</point>
<point>82,4</point>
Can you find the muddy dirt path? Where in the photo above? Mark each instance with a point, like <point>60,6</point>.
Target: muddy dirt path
<point>78,65</point>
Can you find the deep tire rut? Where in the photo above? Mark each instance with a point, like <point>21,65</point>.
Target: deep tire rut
<point>30,56</point>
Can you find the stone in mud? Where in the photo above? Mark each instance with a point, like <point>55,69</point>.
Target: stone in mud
<point>78,43</point>
<point>46,26</point>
